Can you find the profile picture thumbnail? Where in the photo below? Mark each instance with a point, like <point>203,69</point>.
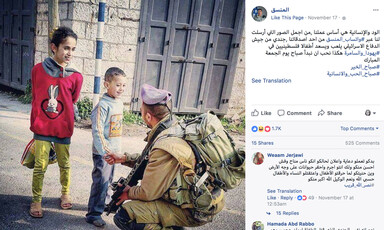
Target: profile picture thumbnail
<point>258,158</point>
<point>257,225</point>
<point>259,13</point>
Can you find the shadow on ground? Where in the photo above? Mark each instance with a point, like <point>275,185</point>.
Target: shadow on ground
<point>14,214</point>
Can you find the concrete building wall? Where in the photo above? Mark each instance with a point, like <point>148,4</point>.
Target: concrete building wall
<point>122,18</point>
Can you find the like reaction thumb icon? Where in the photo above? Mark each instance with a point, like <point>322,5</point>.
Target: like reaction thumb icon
<point>255,113</point>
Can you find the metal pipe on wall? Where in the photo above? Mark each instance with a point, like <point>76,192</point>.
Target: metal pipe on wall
<point>99,52</point>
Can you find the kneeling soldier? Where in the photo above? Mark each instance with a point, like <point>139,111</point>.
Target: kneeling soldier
<point>153,204</point>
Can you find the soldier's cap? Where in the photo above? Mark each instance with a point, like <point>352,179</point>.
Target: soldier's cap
<point>153,96</point>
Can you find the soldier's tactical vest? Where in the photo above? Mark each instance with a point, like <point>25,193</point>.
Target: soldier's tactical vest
<point>203,203</point>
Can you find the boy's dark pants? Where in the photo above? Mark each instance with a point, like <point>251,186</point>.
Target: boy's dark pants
<point>102,176</point>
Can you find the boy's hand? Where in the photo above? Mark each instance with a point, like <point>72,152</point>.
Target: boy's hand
<point>113,158</point>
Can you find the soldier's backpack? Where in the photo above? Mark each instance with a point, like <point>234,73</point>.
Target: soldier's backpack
<point>215,151</point>
<point>219,164</point>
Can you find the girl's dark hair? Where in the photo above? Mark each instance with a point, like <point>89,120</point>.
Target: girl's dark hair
<point>60,34</point>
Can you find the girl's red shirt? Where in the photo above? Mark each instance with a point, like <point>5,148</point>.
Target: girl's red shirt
<point>52,102</point>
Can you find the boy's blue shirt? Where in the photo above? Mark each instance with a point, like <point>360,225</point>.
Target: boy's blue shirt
<point>107,125</point>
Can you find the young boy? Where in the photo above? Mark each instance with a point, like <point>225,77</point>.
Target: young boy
<point>107,117</point>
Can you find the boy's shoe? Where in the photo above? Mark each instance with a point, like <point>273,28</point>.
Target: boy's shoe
<point>97,222</point>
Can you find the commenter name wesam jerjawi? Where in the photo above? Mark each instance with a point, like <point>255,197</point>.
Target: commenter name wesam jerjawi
<point>293,155</point>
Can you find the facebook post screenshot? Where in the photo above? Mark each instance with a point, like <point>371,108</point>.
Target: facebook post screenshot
<point>314,115</point>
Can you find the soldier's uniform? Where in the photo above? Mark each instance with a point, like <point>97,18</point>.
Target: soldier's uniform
<point>152,204</point>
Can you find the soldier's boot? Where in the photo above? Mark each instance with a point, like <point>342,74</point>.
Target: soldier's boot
<point>123,221</point>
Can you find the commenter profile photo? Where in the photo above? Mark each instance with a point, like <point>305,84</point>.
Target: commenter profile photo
<point>257,225</point>
<point>258,158</point>
<point>259,13</point>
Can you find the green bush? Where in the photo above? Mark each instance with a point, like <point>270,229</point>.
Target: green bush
<point>27,97</point>
<point>230,126</point>
<point>227,123</point>
<point>85,107</point>
<point>185,116</point>
<point>132,118</point>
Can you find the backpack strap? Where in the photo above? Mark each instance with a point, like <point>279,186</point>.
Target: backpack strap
<point>225,162</point>
<point>177,147</point>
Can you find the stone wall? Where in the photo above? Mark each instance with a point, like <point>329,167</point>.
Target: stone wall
<point>120,42</point>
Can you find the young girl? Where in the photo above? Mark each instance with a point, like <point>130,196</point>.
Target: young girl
<point>55,88</point>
